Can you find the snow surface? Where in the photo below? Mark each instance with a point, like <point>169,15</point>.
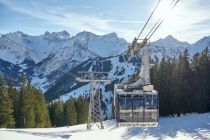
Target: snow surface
<point>191,127</point>
<point>40,83</point>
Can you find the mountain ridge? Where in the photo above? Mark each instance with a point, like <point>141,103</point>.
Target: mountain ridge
<point>46,57</point>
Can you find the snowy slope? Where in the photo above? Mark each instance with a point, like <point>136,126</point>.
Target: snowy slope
<point>192,127</point>
<point>84,91</point>
<point>11,50</point>
<point>119,71</point>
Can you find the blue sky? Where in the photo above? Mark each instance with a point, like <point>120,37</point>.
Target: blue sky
<point>189,21</point>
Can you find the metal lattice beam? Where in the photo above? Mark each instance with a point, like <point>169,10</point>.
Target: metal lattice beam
<point>95,79</point>
<point>93,76</point>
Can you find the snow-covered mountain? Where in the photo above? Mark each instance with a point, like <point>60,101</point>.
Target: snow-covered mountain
<point>51,60</point>
<point>47,57</point>
<point>16,47</point>
<point>80,48</point>
<point>168,47</point>
<point>170,42</point>
<point>105,45</point>
<point>199,45</point>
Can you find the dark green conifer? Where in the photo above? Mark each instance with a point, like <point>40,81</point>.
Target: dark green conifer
<point>6,109</point>
<point>70,112</point>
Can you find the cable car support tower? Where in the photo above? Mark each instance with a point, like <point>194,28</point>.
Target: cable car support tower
<point>95,79</point>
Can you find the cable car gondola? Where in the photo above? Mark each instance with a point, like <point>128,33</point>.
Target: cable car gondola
<point>136,103</point>
<point>136,108</point>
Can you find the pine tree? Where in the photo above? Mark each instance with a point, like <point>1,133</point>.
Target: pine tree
<point>82,110</point>
<point>26,104</point>
<point>59,113</point>
<point>187,82</point>
<point>12,92</point>
<point>40,110</point>
<point>6,117</point>
<point>208,80</point>
<point>200,81</point>
<point>70,112</point>
<point>51,110</point>
<point>161,78</point>
<point>183,85</point>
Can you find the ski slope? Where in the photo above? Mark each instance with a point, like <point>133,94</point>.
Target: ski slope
<point>190,127</point>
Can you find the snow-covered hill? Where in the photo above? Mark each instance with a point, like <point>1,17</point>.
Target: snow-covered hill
<point>191,127</point>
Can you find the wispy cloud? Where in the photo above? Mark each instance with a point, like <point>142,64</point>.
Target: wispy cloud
<point>71,20</point>
<point>189,21</point>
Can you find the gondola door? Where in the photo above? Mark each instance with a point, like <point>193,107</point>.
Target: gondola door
<point>138,109</point>
<point>131,109</point>
<point>125,109</point>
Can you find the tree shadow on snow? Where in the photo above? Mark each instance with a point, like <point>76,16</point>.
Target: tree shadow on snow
<point>61,134</point>
<point>195,126</point>
<point>110,124</point>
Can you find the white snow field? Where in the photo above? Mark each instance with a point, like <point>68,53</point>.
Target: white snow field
<point>190,127</point>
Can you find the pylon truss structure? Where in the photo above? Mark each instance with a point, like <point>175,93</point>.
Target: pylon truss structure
<point>95,115</point>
